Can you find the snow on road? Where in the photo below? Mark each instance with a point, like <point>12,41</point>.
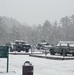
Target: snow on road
<point>41,66</point>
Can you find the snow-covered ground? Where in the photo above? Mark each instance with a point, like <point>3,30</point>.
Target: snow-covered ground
<point>41,66</point>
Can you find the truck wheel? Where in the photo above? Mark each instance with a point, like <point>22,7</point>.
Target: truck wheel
<point>18,50</point>
<point>61,52</point>
<point>52,52</point>
<point>38,48</point>
<point>11,50</point>
<point>64,53</point>
<point>26,50</point>
<point>72,54</point>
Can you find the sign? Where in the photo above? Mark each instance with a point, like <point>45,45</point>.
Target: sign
<point>4,52</point>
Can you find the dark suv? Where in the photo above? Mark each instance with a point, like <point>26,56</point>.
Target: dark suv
<point>43,46</point>
<point>20,46</point>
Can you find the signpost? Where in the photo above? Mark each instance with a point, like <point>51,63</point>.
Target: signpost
<point>4,53</point>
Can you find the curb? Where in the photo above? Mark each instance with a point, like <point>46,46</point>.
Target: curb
<point>24,53</point>
<point>19,53</point>
<point>53,58</point>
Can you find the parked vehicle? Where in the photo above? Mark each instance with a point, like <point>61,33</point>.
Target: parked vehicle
<point>63,48</point>
<point>19,46</point>
<point>43,46</point>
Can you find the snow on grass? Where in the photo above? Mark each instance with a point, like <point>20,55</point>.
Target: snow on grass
<point>41,66</point>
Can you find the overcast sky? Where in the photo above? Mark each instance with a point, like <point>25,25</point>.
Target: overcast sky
<point>36,11</point>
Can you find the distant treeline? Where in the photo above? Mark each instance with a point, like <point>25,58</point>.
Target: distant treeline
<point>11,29</point>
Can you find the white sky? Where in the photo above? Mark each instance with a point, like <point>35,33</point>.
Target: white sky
<point>36,11</point>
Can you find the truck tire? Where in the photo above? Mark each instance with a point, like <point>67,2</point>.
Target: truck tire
<point>38,48</point>
<point>61,52</point>
<point>72,54</point>
<point>18,50</point>
<point>11,50</point>
<point>64,53</point>
<point>52,52</point>
<point>27,50</point>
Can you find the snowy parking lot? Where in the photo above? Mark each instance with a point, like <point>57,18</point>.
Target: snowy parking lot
<point>41,66</point>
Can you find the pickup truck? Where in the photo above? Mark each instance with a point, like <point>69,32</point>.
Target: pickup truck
<point>63,48</point>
